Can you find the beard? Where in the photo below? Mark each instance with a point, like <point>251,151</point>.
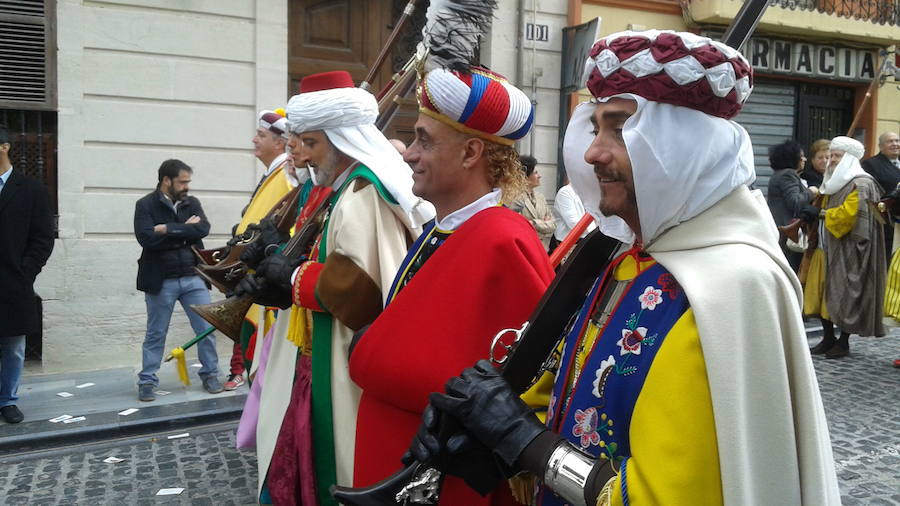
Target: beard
<point>327,171</point>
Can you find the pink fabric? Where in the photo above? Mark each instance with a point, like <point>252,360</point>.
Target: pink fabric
<point>291,479</point>
<point>246,432</point>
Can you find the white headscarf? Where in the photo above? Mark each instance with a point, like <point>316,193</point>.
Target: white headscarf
<point>683,161</point>
<point>847,169</point>
<point>347,116</point>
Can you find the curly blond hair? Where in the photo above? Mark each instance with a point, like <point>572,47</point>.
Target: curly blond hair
<point>506,171</point>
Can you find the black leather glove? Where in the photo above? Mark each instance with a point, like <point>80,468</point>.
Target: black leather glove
<point>459,455</point>
<point>256,251</point>
<point>277,270</point>
<point>483,402</point>
<point>263,292</point>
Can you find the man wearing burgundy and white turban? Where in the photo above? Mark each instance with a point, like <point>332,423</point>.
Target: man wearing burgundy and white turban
<point>685,377</point>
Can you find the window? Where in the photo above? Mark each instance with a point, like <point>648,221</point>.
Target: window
<point>27,54</point>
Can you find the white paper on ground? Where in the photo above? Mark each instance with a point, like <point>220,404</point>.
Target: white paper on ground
<point>170,491</point>
<point>196,365</point>
<point>179,436</point>
<point>128,411</point>
<point>113,460</point>
<point>59,418</point>
<point>76,419</point>
<point>65,394</point>
<point>162,392</point>
<point>85,385</point>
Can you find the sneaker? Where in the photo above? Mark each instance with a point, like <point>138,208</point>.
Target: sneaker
<point>145,393</point>
<point>12,414</point>
<point>212,385</point>
<point>234,381</point>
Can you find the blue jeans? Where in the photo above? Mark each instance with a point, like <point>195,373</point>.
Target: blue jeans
<point>187,290</point>
<point>12,359</point>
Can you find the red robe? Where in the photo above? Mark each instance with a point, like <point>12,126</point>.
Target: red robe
<point>487,276</point>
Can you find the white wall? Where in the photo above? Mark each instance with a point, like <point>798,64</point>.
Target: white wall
<point>141,81</point>
<point>535,68</point>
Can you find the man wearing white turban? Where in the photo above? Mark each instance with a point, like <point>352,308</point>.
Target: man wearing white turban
<point>685,377</point>
<point>341,285</point>
<point>846,279</point>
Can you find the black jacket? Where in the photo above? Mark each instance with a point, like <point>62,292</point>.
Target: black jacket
<point>787,196</point>
<point>166,255</point>
<point>26,241</point>
<point>883,171</point>
<point>888,176</point>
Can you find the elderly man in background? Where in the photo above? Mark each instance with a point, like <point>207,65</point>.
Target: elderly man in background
<point>846,280</point>
<point>885,168</point>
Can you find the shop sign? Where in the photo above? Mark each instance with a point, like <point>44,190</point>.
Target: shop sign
<point>806,59</point>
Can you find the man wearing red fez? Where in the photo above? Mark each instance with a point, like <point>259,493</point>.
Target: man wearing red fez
<point>443,307</point>
<point>340,288</point>
<point>685,376</point>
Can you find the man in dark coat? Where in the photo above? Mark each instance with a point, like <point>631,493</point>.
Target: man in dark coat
<point>167,222</point>
<point>26,240</point>
<point>885,168</point>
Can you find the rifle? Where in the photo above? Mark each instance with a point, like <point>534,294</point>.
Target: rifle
<point>227,272</point>
<point>228,315</point>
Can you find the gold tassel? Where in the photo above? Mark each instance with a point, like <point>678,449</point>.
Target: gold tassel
<point>522,488</point>
<point>181,366</point>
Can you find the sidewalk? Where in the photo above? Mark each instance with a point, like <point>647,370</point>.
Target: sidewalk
<point>113,391</point>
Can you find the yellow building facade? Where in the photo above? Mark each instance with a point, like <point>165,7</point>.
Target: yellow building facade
<point>814,61</point>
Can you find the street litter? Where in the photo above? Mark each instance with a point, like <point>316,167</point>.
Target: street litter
<point>65,394</point>
<point>196,365</point>
<point>162,392</point>
<point>128,411</point>
<point>179,436</point>
<point>76,419</point>
<point>59,418</point>
<point>170,491</point>
<point>85,385</point>
<point>113,460</point>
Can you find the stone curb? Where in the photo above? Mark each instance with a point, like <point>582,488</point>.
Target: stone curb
<point>41,435</point>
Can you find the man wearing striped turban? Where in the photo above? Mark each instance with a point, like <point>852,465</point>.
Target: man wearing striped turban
<point>443,309</point>
<point>685,377</point>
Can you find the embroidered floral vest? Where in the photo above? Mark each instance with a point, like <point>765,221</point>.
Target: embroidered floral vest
<point>595,412</point>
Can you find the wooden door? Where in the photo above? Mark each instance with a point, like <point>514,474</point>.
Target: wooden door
<point>326,35</point>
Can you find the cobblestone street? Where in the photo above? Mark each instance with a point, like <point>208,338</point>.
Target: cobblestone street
<point>206,464</point>
<point>862,404</point>
<point>862,401</point>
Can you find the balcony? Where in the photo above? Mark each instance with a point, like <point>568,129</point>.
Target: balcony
<point>883,12</point>
<point>869,21</point>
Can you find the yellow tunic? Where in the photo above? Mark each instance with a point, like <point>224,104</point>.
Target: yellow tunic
<point>839,221</point>
<point>674,454</point>
<point>274,187</point>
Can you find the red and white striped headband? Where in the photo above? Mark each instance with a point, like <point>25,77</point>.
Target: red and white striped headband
<point>480,103</point>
